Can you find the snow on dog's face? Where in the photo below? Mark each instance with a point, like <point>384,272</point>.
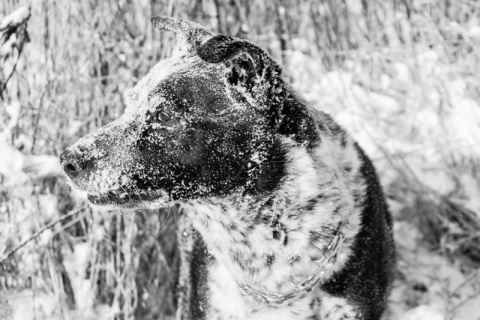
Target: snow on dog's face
<point>196,126</point>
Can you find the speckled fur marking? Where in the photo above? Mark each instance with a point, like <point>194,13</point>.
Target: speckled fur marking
<point>263,182</point>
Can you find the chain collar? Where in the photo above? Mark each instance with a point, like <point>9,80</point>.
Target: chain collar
<point>307,284</point>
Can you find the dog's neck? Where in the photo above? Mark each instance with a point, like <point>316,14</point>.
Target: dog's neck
<point>268,241</point>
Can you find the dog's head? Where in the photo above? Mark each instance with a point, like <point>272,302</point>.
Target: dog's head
<point>201,124</point>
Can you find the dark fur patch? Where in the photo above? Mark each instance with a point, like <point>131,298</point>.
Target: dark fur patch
<point>276,234</point>
<point>285,239</point>
<point>315,236</point>
<point>200,260</point>
<point>273,170</point>
<point>365,280</point>
<point>297,122</point>
<point>270,259</point>
<point>311,203</point>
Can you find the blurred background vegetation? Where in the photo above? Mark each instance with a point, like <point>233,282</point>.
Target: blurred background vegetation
<point>400,75</point>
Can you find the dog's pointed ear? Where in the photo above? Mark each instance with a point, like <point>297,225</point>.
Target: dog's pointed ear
<point>248,62</point>
<point>189,34</point>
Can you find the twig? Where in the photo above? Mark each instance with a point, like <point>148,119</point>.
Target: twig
<point>220,17</point>
<point>283,31</point>
<point>468,280</point>
<point>3,85</point>
<point>465,301</point>
<point>38,233</point>
<point>37,119</point>
<point>476,5</point>
<point>4,237</point>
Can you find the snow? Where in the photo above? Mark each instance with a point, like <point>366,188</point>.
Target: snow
<point>471,189</point>
<point>7,47</point>
<point>13,163</point>
<point>474,33</point>
<point>76,263</point>
<point>15,18</point>
<point>443,286</point>
<point>29,304</point>
<point>423,312</point>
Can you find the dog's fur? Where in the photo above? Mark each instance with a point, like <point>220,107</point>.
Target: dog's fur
<point>262,180</point>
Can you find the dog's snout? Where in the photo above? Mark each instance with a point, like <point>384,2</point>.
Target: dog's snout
<point>72,163</point>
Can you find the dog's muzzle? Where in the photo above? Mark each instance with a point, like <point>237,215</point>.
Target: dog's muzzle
<point>73,163</point>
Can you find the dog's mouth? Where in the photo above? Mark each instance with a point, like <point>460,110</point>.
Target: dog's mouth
<point>122,198</point>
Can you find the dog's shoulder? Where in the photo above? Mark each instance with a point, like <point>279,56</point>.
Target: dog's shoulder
<point>367,276</point>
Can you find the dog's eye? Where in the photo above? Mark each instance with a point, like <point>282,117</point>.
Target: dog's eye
<point>163,116</point>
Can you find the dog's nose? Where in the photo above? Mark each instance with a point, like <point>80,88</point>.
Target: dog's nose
<point>72,163</point>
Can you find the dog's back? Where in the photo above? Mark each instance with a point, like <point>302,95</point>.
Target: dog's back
<point>368,274</point>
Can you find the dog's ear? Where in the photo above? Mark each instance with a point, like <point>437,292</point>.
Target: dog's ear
<point>189,34</point>
<point>248,63</point>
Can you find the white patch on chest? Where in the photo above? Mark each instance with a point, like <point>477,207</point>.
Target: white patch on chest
<point>228,303</point>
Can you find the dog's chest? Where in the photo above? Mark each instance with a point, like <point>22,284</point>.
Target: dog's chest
<point>227,302</point>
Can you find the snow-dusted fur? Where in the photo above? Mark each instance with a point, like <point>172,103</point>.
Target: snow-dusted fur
<point>262,181</point>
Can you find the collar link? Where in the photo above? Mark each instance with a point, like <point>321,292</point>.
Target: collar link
<point>324,263</point>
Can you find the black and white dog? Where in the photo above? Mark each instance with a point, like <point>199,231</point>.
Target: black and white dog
<point>289,219</point>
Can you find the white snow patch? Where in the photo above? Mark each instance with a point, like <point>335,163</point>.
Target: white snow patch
<point>423,312</point>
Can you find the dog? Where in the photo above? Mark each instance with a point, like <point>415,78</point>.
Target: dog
<point>282,213</point>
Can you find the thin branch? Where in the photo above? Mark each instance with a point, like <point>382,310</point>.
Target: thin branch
<point>465,301</point>
<point>3,85</point>
<point>473,4</point>
<point>38,233</point>
<point>282,29</point>
<point>220,17</point>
